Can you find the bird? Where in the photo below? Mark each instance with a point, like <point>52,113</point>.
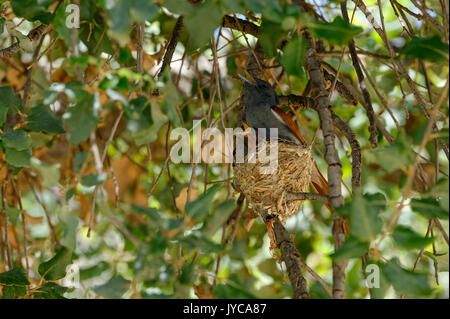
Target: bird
<point>262,111</point>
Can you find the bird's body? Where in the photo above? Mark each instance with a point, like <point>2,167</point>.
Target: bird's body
<point>259,98</point>
<point>261,111</point>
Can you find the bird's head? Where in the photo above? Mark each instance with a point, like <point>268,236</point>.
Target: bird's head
<point>259,92</point>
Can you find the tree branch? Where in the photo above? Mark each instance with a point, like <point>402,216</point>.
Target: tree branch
<point>307,196</point>
<point>362,85</point>
<point>402,70</point>
<point>289,255</point>
<point>356,149</point>
<point>297,101</point>
<point>176,33</point>
<point>240,25</point>
<point>340,88</point>
<point>331,156</point>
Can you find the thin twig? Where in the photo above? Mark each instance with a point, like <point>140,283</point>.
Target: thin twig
<point>411,173</point>
<point>430,227</point>
<point>356,149</point>
<point>24,228</point>
<point>369,108</point>
<point>307,196</point>
<point>401,69</point>
<point>140,32</point>
<point>441,229</point>
<point>176,33</point>
<point>5,225</point>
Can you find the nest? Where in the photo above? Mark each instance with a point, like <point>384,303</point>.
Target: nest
<point>265,190</point>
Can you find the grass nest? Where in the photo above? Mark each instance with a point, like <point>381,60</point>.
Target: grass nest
<point>266,190</point>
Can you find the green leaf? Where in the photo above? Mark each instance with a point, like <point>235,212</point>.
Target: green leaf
<point>88,9</point>
<point>70,193</point>
<point>13,214</point>
<point>187,274</point>
<point>294,56</point>
<point>92,35</point>
<point>428,207</point>
<point>440,260</point>
<point>93,271</point>
<point>270,9</point>
<point>363,213</point>
<point>60,25</point>
<point>13,291</point>
<point>14,276</point>
<point>270,38</point>
<point>408,283</point>
<point>142,10</point>
<point>406,238</point>
<point>234,288</point>
<point>150,133</point>
<point>388,81</point>
<point>288,23</point>
<point>42,119</point>
<point>397,155</point>
<point>69,224</point>
<point>198,241</point>
<point>444,134</point>
<point>32,10</point>
<point>339,31</point>
<point>113,289</point>
<point>18,158</point>
<point>151,267</point>
<point>219,216</point>
<point>430,49</point>
<point>93,180</point>
<point>235,6</point>
<point>51,290</point>
<point>116,96</point>
<point>2,24</point>
<point>178,7</point>
<point>200,207</point>
<point>16,139</point>
<point>73,90</point>
<point>256,6</point>
<point>351,248</point>
<point>3,112</point>
<point>78,161</point>
<point>171,99</point>
<point>82,118</point>
<point>155,219</point>
<point>201,22</point>
<point>441,191</point>
<point>9,102</point>
<point>157,244</point>
<point>376,279</point>
<point>55,268</point>
<point>123,13</point>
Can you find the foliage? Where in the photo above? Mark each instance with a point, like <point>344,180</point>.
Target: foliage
<point>83,131</point>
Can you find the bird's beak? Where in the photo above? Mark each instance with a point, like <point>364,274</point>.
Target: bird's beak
<point>247,78</point>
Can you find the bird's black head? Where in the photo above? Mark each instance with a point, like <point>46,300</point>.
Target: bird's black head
<point>260,93</point>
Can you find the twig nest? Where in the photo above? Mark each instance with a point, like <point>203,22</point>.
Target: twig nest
<point>265,183</point>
